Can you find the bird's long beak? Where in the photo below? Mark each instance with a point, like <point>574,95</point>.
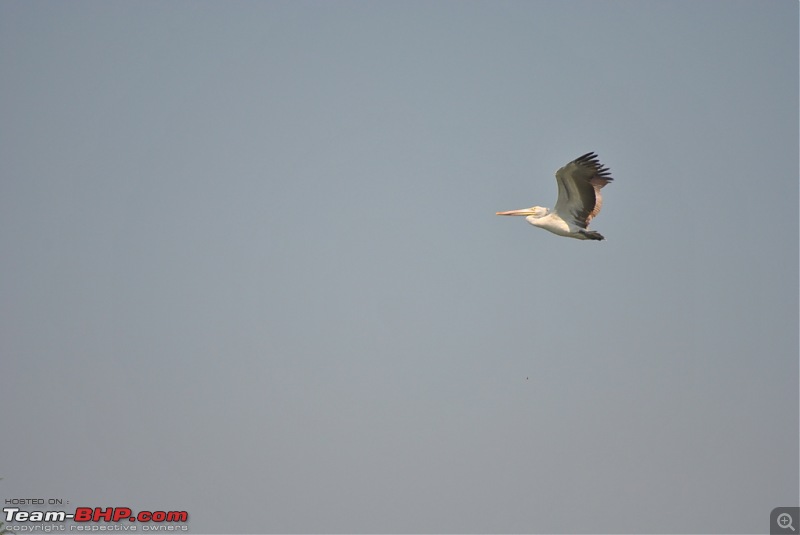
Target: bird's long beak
<point>523,211</point>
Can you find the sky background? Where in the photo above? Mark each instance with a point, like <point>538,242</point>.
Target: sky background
<point>250,266</point>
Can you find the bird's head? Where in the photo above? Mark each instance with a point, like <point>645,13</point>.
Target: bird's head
<point>535,211</point>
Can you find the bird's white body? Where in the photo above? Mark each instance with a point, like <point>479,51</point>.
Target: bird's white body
<point>579,200</point>
<point>556,225</point>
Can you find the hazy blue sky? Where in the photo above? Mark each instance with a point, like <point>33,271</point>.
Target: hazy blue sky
<point>250,267</point>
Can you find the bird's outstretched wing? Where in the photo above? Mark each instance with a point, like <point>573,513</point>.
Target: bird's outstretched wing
<point>579,184</point>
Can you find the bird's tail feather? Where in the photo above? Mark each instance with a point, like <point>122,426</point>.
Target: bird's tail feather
<point>592,235</point>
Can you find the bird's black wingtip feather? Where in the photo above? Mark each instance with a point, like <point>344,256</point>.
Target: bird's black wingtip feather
<point>591,158</point>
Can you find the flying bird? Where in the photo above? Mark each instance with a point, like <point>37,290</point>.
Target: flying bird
<point>579,200</point>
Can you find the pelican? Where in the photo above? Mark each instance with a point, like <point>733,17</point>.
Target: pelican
<point>579,200</point>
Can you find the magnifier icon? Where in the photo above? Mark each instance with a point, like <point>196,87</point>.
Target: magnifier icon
<point>785,521</point>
